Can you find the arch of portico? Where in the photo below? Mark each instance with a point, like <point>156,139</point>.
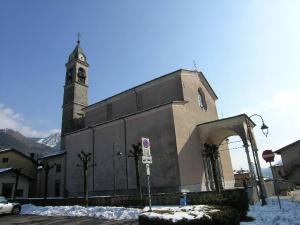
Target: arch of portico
<point>215,132</point>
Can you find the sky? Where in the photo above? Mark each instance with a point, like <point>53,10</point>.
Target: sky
<point>249,52</point>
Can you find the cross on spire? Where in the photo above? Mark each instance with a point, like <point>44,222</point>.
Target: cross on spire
<point>78,38</point>
<point>195,66</point>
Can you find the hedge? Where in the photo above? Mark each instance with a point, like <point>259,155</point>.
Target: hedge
<point>226,216</point>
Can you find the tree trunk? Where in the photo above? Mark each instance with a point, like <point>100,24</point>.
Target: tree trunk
<point>46,184</point>
<point>215,175</point>
<point>16,184</point>
<point>138,184</point>
<point>85,191</point>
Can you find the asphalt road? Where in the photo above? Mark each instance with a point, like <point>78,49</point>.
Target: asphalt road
<point>43,220</point>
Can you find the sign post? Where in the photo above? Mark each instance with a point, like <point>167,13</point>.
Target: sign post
<point>147,159</point>
<point>268,156</point>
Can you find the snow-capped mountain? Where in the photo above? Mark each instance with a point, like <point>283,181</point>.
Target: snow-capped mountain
<point>52,141</point>
<point>13,139</point>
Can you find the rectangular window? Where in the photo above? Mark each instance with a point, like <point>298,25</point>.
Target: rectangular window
<point>5,160</point>
<point>19,193</point>
<point>58,168</point>
<point>57,188</point>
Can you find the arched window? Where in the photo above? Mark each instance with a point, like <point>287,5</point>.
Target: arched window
<point>69,77</point>
<point>201,99</point>
<point>81,75</point>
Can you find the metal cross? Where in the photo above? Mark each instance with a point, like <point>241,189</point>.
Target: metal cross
<point>195,65</point>
<point>78,38</point>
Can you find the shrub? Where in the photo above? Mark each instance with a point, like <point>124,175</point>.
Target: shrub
<point>237,200</point>
<point>226,216</point>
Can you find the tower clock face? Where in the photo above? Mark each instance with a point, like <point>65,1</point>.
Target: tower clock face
<point>81,57</point>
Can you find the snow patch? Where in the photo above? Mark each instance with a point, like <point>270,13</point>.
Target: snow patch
<point>270,214</point>
<point>52,141</point>
<point>176,213</point>
<point>108,213</point>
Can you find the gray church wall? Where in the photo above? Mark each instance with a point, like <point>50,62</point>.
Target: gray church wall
<point>157,125</point>
<point>75,143</point>
<point>125,105</point>
<point>118,136</point>
<point>160,91</point>
<point>109,140</point>
<point>95,115</point>
<point>156,92</point>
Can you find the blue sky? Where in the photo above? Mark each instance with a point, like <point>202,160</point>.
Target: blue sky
<point>248,50</point>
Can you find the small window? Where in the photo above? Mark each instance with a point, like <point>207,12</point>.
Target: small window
<point>58,168</point>
<point>5,160</point>
<point>19,193</point>
<point>81,75</point>
<point>201,99</point>
<point>57,188</point>
<point>69,76</point>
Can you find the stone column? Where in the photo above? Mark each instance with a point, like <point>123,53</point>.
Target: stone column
<point>250,166</point>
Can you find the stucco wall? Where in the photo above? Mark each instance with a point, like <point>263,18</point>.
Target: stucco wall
<point>23,184</point>
<point>291,162</point>
<point>17,161</point>
<point>189,145</point>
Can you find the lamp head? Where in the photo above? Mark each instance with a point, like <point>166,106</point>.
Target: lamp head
<point>265,129</point>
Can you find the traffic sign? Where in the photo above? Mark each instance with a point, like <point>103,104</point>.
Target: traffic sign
<point>146,158</point>
<point>268,155</point>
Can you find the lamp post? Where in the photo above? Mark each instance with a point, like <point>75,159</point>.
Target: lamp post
<point>265,130</point>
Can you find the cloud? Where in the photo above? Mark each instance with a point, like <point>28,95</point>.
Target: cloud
<point>12,120</point>
<point>281,113</point>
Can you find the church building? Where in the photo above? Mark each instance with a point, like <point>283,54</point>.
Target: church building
<point>176,111</point>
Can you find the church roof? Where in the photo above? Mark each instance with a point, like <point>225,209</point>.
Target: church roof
<point>76,52</point>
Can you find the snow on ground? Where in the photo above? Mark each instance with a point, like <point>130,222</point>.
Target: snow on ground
<point>109,213</point>
<point>176,213</point>
<point>270,214</point>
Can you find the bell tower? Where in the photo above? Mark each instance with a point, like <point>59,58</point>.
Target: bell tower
<point>75,92</point>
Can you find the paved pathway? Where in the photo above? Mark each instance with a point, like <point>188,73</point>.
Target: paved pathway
<point>45,220</point>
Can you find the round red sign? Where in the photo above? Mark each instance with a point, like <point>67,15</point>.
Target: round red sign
<point>268,155</point>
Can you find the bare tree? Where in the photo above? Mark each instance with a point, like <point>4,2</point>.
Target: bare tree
<point>135,153</point>
<point>17,174</point>
<point>85,158</point>
<point>46,167</point>
<point>211,151</point>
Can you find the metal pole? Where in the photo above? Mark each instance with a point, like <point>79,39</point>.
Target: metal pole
<point>275,186</point>
<point>149,192</point>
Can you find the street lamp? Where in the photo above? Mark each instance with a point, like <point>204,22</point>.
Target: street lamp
<point>265,130</point>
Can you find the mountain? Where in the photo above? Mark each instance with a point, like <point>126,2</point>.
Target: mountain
<point>53,141</point>
<point>13,139</point>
